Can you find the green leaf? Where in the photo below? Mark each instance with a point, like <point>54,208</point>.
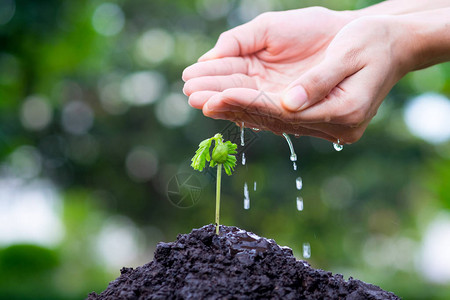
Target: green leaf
<point>201,155</point>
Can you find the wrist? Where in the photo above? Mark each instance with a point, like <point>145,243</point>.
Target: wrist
<point>429,37</point>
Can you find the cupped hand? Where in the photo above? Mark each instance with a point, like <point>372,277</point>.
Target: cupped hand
<point>335,97</point>
<point>265,54</point>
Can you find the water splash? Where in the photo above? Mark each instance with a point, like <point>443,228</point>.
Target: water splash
<point>242,135</point>
<point>306,250</point>
<point>246,197</point>
<point>337,146</point>
<point>243,159</point>
<point>299,183</point>
<point>293,156</point>
<point>299,203</point>
<point>254,186</point>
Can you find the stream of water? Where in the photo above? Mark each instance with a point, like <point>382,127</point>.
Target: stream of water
<point>293,156</point>
<point>246,197</point>
<point>299,203</point>
<point>306,250</point>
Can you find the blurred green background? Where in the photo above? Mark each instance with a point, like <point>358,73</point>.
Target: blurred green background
<point>93,126</point>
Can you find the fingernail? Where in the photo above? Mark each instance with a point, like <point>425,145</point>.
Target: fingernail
<point>295,98</point>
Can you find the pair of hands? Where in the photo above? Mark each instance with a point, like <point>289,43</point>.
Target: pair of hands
<point>323,73</point>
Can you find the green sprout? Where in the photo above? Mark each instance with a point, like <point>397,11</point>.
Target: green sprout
<point>222,155</point>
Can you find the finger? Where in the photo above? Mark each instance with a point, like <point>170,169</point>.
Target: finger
<point>221,66</point>
<point>197,99</point>
<point>269,124</point>
<point>345,134</point>
<point>347,104</point>
<point>241,40</point>
<point>248,100</point>
<point>315,84</point>
<point>218,83</point>
<point>280,128</point>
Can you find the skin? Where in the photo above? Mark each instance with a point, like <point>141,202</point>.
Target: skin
<point>323,73</point>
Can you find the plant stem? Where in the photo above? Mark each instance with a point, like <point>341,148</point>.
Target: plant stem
<point>219,178</point>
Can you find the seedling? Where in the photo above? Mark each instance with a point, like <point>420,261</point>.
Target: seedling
<point>222,154</point>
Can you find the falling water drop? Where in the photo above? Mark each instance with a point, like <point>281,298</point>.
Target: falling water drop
<point>337,146</point>
<point>254,186</point>
<point>299,203</point>
<point>243,159</point>
<point>293,156</point>
<point>295,165</point>
<point>246,197</point>
<point>306,250</point>
<point>299,183</point>
<point>242,135</point>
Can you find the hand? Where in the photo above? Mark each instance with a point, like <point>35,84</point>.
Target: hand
<point>266,54</point>
<point>336,96</point>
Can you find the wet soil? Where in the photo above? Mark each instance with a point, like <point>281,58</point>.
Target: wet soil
<point>235,265</point>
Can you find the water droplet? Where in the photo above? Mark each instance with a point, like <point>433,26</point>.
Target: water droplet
<point>254,186</point>
<point>299,203</point>
<point>306,250</point>
<point>295,166</point>
<point>246,197</point>
<point>299,183</point>
<point>243,159</point>
<point>242,135</point>
<point>337,146</point>
<point>293,156</point>
<point>256,129</point>
<point>297,135</point>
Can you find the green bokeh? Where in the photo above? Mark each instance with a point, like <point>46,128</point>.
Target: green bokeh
<point>383,189</point>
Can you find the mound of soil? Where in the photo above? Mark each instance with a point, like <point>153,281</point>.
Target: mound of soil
<point>235,265</point>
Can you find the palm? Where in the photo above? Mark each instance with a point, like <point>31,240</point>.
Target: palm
<point>293,47</point>
<point>271,62</point>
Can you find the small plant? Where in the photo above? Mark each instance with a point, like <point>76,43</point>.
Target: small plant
<point>222,154</point>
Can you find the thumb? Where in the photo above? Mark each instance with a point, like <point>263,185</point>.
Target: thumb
<point>239,41</point>
<point>314,85</point>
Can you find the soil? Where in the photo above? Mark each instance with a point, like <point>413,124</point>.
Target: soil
<point>235,265</point>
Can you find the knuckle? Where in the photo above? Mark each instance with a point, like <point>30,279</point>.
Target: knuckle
<point>264,16</point>
<point>224,35</point>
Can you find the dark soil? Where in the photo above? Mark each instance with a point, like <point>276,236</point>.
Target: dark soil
<point>235,265</point>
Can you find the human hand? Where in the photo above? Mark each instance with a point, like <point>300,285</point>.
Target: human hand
<point>265,54</point>
<point>337,96</point>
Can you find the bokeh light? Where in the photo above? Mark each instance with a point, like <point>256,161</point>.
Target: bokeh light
<point>29,212</point>
<point>174,110</point>
<point>213,9</point>
<point>77,117</point>
<point>142,88</point>
<point>36,113</point>
<point>119,242</point>
<point>25,162</point>
<point>109,88</point>
<point>7,10</point>
<point>154,46</point>
<point>434,261</point>
<point>108,19</point>
<point>427,117</point>
<point>141,164</point>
